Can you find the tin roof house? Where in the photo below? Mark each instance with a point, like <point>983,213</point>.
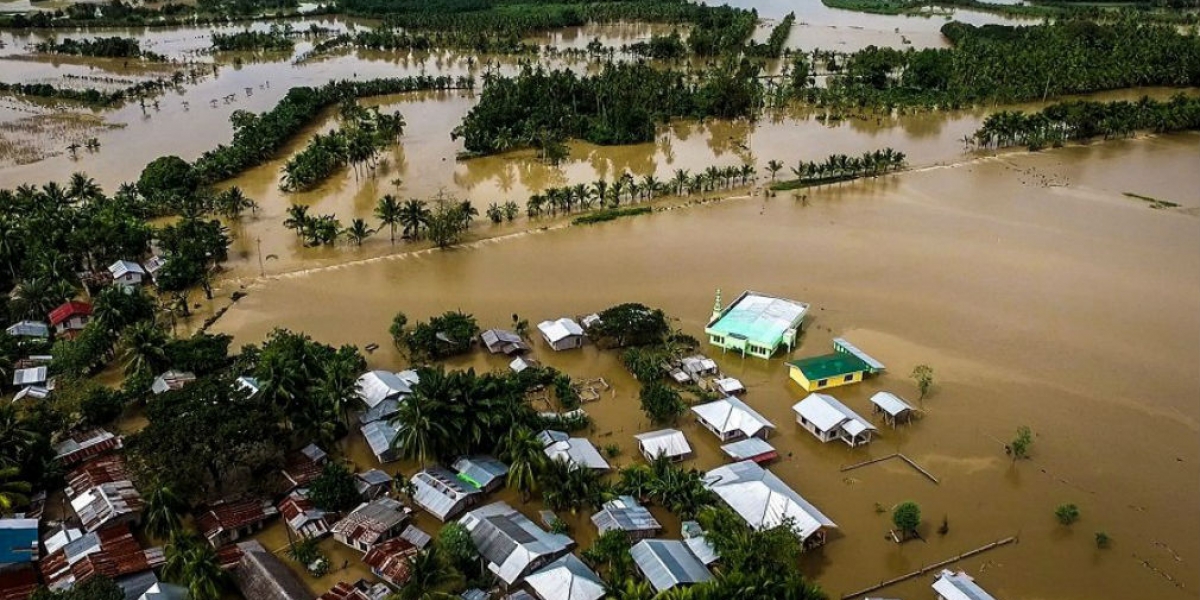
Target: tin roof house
<point>566,579</point>
<point>756,324</point>
<point>70,317</point>
<point>844,366</point>
<point>304,465</point>
<point>958,586</point>
<point>259,574</point>
<point>893,408</point>
<point>484,472</point>
<point>391,560</point>
<point>372,522</point>
<point>127,273</point>
<point>501,341</point>
<point>731,419</point>
<point>511,544</point>
<point>624,513</point>
<point>382,391</point>
<point>580,452</point>
<point>755,449</point>
<point>563,334</point>
<point>31,329</point>
<point>83,445</point>
<point>171,380</point>
<point>764,501</point>
<point>827,419</point>
<point>101,493</point>
<point>668,563</point>
<point>442,493</point>
<point>111,552</point>
<point>303,517</point>
<point>228,521</point>
<point>670,443</point>
<point>372,483</point>
<point>381,437</point>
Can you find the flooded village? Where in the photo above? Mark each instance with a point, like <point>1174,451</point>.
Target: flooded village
<point>969,372</point>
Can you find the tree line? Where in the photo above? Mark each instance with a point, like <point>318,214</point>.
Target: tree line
<point>620,105</point>
<point>443,221</point>
<point>105,47</point>
<point>627,188</point>
<point>92,96</point>
<point>275,40</point>
<point>1086,119</point>
<point>119,13</point>
<point>838,167</point>
<point>357,142</point>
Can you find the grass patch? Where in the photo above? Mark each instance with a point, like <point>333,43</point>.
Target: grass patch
<point>609,214</point>
<point>1153,202</point>
<point>795,184</point>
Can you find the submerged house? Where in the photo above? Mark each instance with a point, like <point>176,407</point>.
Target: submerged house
<point>381,437</point>
<point>391,561</point>
<point>304,465</point>
<point>731,419</point>
<point>756,324</point>
<point>668,563</point>
<point>372,483</point>
<point>670,443</point>
<point>382,391</point>
<point>442,493</point>
<point>484,472</point>
<point>501,341</point>
<point>765,501</point>
<point>171,380</point>
<point>563,334</point>
<point>259,574</point>
<point>575,451</point>
<point>827,419</point>
<point>566,579</point>
<point>303,517</point>
<point>101,493</point>
<point>111,552</point>
<point>958,586</point>
<point>755,449</point>
<point>127,273</point>
<point>227,522</point>
<point>625,514</point>
<point>511,544</point>
<point>893,408</point>
<point>372,522</point>
<point>845,365</point>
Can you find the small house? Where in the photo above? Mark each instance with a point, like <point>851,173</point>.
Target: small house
<point>229,521</point>
<point>360,590</point>
<point>563,334</point>
<point>566,579</point>
<point>416,536</point>
<point>846,365</point>
<point>154,264</point>
<point>391,561</point>
<point>670,443</point>
<point>303,517</point>
<point>304,465</point>
<point>32,376</point>
<point>171,381</point>
<point>83,445</point>
<point>755,449</point>
<point>521,363</point>
<point>372,522</point>
<point>728,386</point>
<point>756,324</point>
<point>260,575</point>
<point>70,317</point>
<point>500,341</point>
<point>101,493</point>
<point>127,273</point>
<point>764,501</point>
<point>827,419</point>
<point>958,586</point>
<point>511,545</point>
<point>29,329</point>
<point>575,451</point>
<point>442,493</point>
<point>381,392</point>
<point>697,542</point>
<point>18,542</point>
<point>698,367</point>
<point>893,408</point>
<point>668,563</point>
<point>624,513</point>
<point>247,384</point>
<point>484,472</point>
<point>372,483</point>
<point>381,437</point>
<point>731,419</point>
<point>111,552</point>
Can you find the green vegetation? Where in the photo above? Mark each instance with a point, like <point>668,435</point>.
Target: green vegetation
<point>1154,202</point>
<point>334,490</point>
<point>109,47</point>
<point>773,48</point>
<point>362,134</point>
<point>610,214</point>
<point>1086,119</point>
<point>443,336</point>
<point>620,105</point>
<point>171,14</point>
<point>661,402</point>
<point>1090,9</point>
<point>91,96</point>
<point>840,167</point>
<point>629,324</point>
<point>923,376</point>
<point>906,517</point>
<point>1066,514</point>
<point>96,588</point>
<point>1103,541</point>
<point>275,40</point>
<point>1019,447</point>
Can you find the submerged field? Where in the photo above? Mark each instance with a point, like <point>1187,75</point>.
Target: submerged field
<point>1044,289</point>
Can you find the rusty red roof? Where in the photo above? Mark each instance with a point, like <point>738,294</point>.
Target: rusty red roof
<point>343,591</point>
<point>82,445</point>
<point>391,560</point>
<point>111,552</point>
<point>301,467</point>
<point>69,309</point>
<point>97,471</point>
<point>234,515</point>
<point>18,584</point>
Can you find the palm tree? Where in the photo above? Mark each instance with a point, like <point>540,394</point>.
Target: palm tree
<point>16,437</point>
<point>414,215</point>
<point>680,181</point>
<point>524,453</point>
<point>389,213</point>
<point>193,563</point>
<point>160,518</point>
<point>142,348</point>
<point>467,212</point>
<point>430,572</point>
<point>358,231</point>
<point>81,188</point>
<point>420,433</point>
<point>13,493</point>
<point>297,218</point>
<point>630,590</point>
<point>746,171</point>
<point>339,383</point>
<point>774,167</point>
<point>38,296</point>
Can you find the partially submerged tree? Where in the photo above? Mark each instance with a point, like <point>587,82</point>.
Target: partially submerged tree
<point>923,376</point>
<point>661,402</point>
<point>1066,514</point>
<point>907,517</point>
<point>334,489</point>
<point>1019,447</point>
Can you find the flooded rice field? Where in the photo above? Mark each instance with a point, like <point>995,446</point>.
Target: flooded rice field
<point>1040,294</point>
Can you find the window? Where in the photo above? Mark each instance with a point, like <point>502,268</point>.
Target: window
<point>849,378</point>
<point>823,383</point>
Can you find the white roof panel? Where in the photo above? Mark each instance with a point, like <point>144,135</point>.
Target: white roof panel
<point>890,403</point>
<point>731,414</point>
<point>763,500</point>
<point>668,442</point>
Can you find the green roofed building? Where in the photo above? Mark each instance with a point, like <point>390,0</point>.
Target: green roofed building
<point>756,324</point>
<point>845,366</point>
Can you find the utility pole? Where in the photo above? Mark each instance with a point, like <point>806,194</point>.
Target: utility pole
<point>262,270</point>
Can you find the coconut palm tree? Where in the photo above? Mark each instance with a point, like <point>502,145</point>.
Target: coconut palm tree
<point>774,166</point>
<point>142,348</point>
<point>414,216</point>
<point>680,181</point>
<point>161,516</point>
<point>389,213</point>
<point>358,231</point>
<point>37,296</point>
<point>81,188</point>
<point>13,493</point>
<point>16,437</point>
<point>193,563</point>
<point>523,451</point>
<point>421,434</point>
<point>297,219</point>
<point>467,212</point>
<point>430,574</point>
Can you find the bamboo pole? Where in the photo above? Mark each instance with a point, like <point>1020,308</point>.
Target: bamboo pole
<point>928,568</point>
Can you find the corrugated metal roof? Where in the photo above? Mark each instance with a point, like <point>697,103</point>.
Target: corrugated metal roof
<point>626,514</point>
<point>112,552</point>
<point>566,579</point>
<point>557,331</point>
<point>233,515</point>
<point>511,543</point>
<point>416,536</point>
<point>729,415</point>
<point>35,329</point>
<point>18,540</point>
<point>959,586</point>
<point>376,386</point>
<point>262,576</point>
<point>482,471</point>
<point>890,403</point>
<point>379,436</point>
<point>391,560</point>
<point>846,346</point>
<point>371,521</point>
<point>827,413</point>
<point>579,452</point>
<point>66,310</point>
<point>441,493</point>
<point>165,591</point>
<point>826,366</point>
<point>124,267</point>
<point>80,446</point>
<point>759,318</point>
<point>668,563</point>
<point>30,376</point>
<point>763,500</point>
<point>666,442</point>
<point>748,448</point>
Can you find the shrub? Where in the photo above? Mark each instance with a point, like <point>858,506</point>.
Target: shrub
<point>1067,513</point>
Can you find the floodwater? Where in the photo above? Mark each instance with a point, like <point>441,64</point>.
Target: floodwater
<point>1038,292</point>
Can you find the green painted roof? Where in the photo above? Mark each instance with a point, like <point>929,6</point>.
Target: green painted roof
<point>830,365</point>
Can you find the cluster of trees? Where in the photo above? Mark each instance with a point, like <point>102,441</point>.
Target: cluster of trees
<point>721,30</point>
<point>839,167</point>
<point>275,39</point>
<point>443,221</point>
<point>118,13</point>
<point>443,336</point>
<point>1086,119</point>
<point>620,105</point>
<point>626,188</point>
<point>363,133</point>
<point>480,42</point>
<point>89,95</point>
<point>1160,10</point>
<point>773,47</point>
<point>257,138</point>
<point>107,47</point>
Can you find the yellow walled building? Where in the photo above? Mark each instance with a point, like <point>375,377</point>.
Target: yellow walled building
<point>845,366</point>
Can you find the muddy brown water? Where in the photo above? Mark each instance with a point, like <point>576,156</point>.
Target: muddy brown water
<point>1039,293</point>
